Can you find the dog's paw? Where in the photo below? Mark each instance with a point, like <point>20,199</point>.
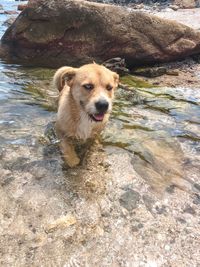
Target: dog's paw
<point>72,162</point>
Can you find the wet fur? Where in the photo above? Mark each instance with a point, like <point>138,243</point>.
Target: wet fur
<point>76,103</point>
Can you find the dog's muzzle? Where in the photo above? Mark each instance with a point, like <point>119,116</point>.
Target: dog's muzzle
<point>102,106</point>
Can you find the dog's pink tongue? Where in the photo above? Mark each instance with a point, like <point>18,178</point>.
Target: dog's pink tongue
<point>99,117</point>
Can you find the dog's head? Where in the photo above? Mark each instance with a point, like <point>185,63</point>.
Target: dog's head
<point>92,87</point>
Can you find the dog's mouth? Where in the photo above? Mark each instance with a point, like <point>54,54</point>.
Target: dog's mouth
<point>97,117</point>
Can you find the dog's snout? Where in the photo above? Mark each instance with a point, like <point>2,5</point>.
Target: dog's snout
<point>102,105</point>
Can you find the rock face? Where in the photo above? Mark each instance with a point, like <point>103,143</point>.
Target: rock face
<point>55,33</point>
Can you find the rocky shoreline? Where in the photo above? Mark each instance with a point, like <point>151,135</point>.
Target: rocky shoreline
<point>185,73</point>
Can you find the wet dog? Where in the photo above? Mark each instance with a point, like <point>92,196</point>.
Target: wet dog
<point>85,103</point>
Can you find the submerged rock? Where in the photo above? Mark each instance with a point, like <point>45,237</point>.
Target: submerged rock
<point>150,72</point>
<point>129,200</point>
<point>55,33</point>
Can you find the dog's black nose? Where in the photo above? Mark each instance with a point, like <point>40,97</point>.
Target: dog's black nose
<point>102,106</point>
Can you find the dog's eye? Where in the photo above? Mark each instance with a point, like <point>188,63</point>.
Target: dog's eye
<point>88,86</point>
<point>109,87</point>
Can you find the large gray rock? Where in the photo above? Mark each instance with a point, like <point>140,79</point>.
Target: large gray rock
<point>60,32</point>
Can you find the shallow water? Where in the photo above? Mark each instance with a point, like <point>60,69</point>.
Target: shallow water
<point>159,126</point>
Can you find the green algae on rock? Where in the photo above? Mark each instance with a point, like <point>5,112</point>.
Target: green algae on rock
<point>134,82</point>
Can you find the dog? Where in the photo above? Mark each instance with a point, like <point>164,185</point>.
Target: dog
<point>85,103</point>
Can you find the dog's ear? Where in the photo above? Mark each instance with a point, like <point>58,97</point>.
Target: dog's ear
<point>116,78</point>
<point>64,76</point>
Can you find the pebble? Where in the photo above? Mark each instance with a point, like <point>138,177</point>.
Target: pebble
<point>174,7</point>
<point>60,223</point>
<point>129,200</point>
<point>189,210</point>
<point>167,247</point>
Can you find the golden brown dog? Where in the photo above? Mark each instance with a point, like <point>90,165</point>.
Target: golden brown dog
<point>85,102</point>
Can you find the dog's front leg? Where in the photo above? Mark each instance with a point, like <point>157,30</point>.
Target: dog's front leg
<point>69,153</point>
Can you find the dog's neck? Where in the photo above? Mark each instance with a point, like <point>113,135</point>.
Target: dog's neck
<point>74,108</point>
<point>83,126</point>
